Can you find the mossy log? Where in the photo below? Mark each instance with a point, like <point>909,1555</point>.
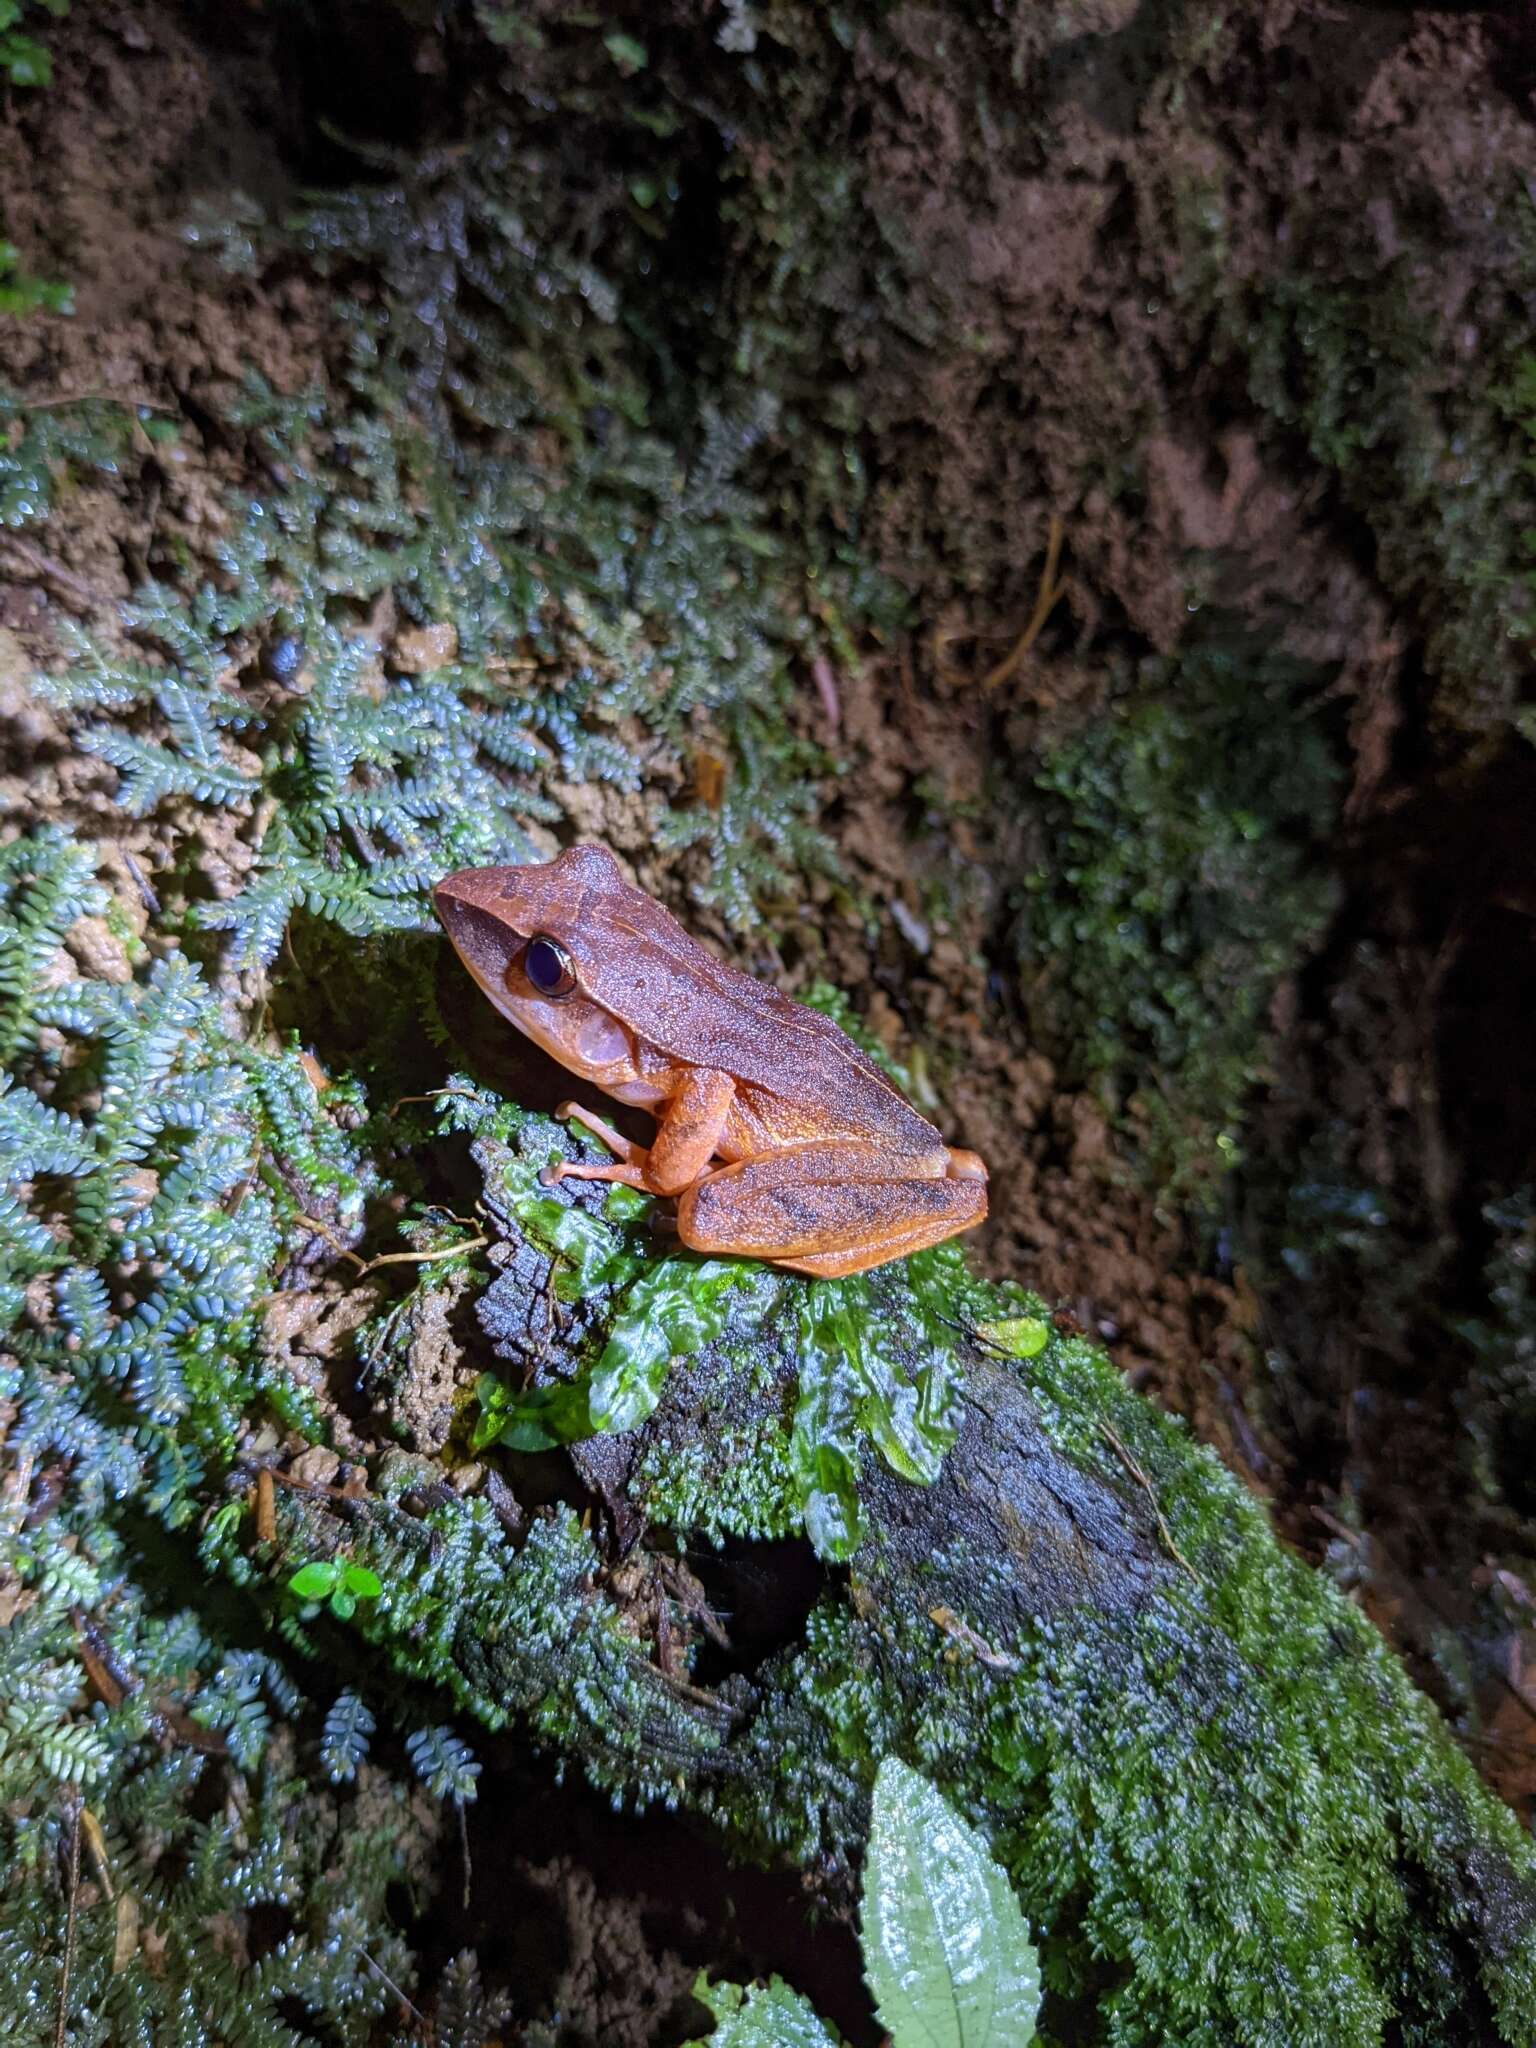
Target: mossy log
<point>1229,1815</point>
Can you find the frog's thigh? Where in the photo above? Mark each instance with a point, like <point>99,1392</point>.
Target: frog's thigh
<point>830,1210</point>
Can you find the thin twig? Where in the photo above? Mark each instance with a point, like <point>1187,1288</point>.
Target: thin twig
<point>464,1852</point>
<point>129,400</point>
<point>449,1251</point>
<point>826,689</point>
<point>433,1095</point>
<point>1047,598</point>
<point>983,1651</point>
<point>147,895</point>
<point>312,1486</point>
<point>1145,1483</point>
<point>415,2012</point>
<point>66,1967</point>
<point>96,1842</point>
<point>324,1230</point>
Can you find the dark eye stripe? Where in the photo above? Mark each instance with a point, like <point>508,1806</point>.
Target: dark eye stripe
<point>548,966</point>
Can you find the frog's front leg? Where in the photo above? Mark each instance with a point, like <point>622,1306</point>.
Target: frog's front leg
<point>686,1136</point>
<point>835,1208</point>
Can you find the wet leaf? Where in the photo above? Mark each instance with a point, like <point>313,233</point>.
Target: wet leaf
<point>314,1580</point>
<point>673,1312</point>
<point>763,2016</point>
<point>1019,1336</point>
<point>946,1950</point>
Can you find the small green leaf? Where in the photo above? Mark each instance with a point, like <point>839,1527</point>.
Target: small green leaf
<point>364,1583</point>
<point>946,1951</point>
<point>314,1580</point>
<point>764,2016</point>
<point>25,61</point>
<point>630,56</point>
<point>343,1604</point>
<point>1019,1336</point>
<point>540,1420</point>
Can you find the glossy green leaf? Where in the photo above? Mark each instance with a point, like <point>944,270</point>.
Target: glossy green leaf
<point>824,1437</point>
<point>1019,1336</point>
<point>762,2016</point>
<point>363,1583</point>
<point>541,1419</point>
<point>673,1312</point>
<point>314,1580</point>
<point>946,1951</point>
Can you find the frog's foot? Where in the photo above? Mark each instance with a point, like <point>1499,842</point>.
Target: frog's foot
<point>630,1170</point>
<point>562,1169</point>
<point>622,1147</point>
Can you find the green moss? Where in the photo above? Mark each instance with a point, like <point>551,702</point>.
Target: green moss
<point>1216,1799</point>
<point>1343,349</point>
<point>1179,885</point>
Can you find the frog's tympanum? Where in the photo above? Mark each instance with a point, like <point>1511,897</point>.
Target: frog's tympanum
<point>779,1138</point>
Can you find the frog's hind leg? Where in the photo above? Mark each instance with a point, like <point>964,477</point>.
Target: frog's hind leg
<point>830,1212</point>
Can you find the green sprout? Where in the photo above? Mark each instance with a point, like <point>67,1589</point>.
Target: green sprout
<point>340,1585</point>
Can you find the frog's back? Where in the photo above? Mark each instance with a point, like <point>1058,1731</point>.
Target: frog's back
<point>636,960</point>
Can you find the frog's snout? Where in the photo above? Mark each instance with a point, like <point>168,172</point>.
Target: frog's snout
<point>470,908</point>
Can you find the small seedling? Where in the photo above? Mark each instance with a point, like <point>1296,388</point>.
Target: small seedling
<point>339,1585</point>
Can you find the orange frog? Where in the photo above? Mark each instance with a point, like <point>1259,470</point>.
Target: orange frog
<point>779,1138</point>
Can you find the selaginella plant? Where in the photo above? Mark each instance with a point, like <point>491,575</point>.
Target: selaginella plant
<point>150,1791</point>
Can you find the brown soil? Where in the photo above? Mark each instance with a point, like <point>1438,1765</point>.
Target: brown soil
<point>1390,1031</point>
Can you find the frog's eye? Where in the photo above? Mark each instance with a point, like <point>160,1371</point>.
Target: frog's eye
<point>548,966</point>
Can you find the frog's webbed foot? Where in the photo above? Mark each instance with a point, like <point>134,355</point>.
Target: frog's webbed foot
<point>622,1147</point>
<point>631,1168</point>
<point>562,1169</point>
